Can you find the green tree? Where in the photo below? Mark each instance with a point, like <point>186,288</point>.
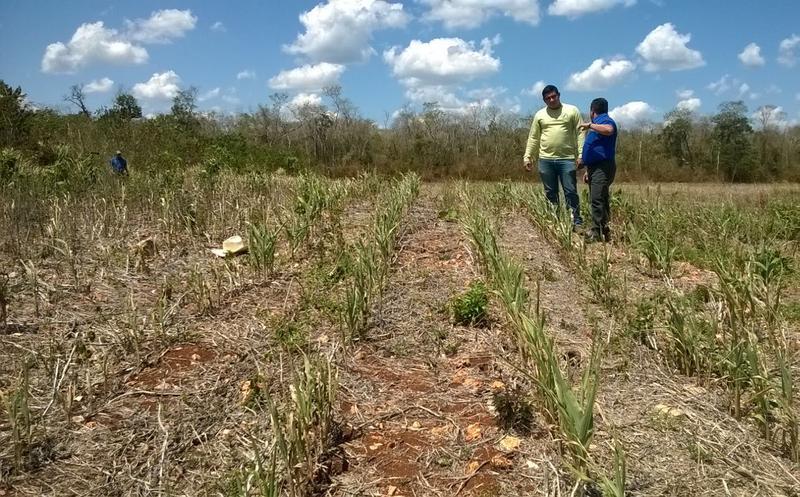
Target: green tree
<point>15,116</point>
<point>184,106</point>
<point>675,136</point>
<point>733,139</point>
<point>769,119</point>
<point>125,107</point>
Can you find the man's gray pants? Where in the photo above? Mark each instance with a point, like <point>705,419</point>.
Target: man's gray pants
<point>601,175</point>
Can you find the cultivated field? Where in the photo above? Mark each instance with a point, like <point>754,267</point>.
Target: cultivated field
<point>396,338</point>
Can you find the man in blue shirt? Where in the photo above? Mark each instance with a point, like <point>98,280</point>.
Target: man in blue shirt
<point>119,164</point>
<point>599,150</point>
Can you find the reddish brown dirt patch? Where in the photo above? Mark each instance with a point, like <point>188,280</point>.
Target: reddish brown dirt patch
<point>172,364</point>
<point>482,484</point>
<point>377,443</point>
<point>394,455</point>
<point>406,376</point>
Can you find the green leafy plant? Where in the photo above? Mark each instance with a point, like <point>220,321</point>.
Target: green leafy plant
<point>602,282</point>
<point>514,409</point>
<point>691,338</point>
<point>262,246</point>
<point>469,307</point>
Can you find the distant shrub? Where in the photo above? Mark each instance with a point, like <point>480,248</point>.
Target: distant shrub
<point>9,164</point>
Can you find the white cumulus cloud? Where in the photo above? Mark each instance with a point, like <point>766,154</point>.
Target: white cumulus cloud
<point>99,86</point>
<point>690,104</point>
<point>684,94</point>
<point>218,27</point>
<point>786,49</point>
<point>162,26</point>
<point>303,99</point>
<point>160,86</point>
<point>91,43</point>
<point>577,8</point>
<point>230,96</point>
<point>751,56</point>
<point>472,13</point>
<point>339,31</point>
<point>771,116</point>
<point>744,88</point>
<point>487,93</point>
<point>307,78</point>
<point>665,49</point>
<point>723,84</point>
<point>444,96</point>
<point>632,113</point>
<point>214,93</point>
<point>246,74</point>
<point>601,75</point>
<point>535,90</point>
<point>442,61</point>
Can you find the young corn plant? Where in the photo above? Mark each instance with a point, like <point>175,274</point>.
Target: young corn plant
<point>200,292</point>
<point>302,434</point>
<point>385,229</point>
<point>658,250</point>
<point>641,324</point>
<point>260,477</point>
<point>371,261</point>
<point>571,410</point>
<point>562,230</point>
<point>540,210</point>
<point>480,232</point>
<point>615,486</point>
<point>734,365</point>
<point>37,289</point>
<point>602,283</point>
<point>312,196</point>
<point>760,380</point>
<point>262,247</point>
<point>691,338</point>
<point>741,355</point>
<point>5,297</point>
<point>509,278</point>
<point>768,268</point>
<point>358,293</point>
<point>164,312</point>
<point>20,419</point>
<point>787,406</point>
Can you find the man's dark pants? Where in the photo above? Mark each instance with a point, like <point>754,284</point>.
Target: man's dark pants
<point>601,175</point>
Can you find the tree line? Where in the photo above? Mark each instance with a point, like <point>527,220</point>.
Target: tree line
<point>482,142</point>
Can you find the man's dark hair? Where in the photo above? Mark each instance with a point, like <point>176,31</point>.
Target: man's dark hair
<point>599,106</point>
<point>549,89</point>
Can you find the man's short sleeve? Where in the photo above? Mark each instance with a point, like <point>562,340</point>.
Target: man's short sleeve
<point>606,119</point>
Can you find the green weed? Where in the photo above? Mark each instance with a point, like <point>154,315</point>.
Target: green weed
<point>469,307</point>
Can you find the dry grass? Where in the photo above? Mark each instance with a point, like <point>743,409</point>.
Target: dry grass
<point>136,363</point>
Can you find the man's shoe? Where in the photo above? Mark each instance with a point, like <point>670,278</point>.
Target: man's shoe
<point>592,237</point>
<point>607,235</point>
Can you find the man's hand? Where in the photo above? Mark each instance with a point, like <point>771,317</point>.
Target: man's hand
<point>584,126</point>
<point>586,177</point>
<point>528,165</point>
<point>579,163</point>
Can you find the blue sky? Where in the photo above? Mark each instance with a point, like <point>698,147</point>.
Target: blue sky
<point>645,56</point>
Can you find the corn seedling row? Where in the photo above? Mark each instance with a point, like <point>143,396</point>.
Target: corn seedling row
<point>371,260</point>
<point>571,409</point>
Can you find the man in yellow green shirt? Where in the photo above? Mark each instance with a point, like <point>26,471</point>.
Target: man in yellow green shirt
<point>556,141</point>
